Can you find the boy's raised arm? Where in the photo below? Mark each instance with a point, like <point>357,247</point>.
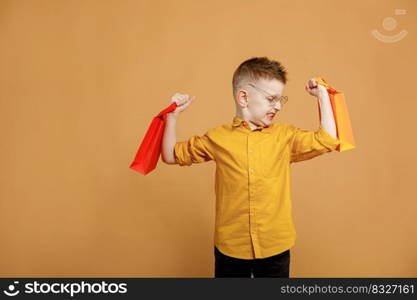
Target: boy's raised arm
<point>306,144</point>
<point>169,138</point>
<point>327,118</point>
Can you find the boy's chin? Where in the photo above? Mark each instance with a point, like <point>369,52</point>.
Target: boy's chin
<point>267,121</point>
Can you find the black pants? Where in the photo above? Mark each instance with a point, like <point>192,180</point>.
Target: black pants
<point>274,266</point>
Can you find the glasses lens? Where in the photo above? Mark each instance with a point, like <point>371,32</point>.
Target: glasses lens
<point>282,100</point>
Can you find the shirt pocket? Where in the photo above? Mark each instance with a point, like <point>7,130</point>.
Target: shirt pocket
<point>273,156</point>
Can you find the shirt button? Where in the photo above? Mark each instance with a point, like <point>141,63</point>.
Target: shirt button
<point>251,170</point>
<point>250,150</point>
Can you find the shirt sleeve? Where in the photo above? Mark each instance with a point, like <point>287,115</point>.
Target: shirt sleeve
<point>196,150</point>
<point>306,144</point>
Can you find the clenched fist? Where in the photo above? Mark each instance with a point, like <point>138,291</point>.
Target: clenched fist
<point>314,89</point>
<point>183,101</point>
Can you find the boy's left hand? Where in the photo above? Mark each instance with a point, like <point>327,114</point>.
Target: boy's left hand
<point>314,89</point>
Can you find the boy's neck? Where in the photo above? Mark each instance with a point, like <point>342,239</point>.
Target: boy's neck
<point>243,117</point>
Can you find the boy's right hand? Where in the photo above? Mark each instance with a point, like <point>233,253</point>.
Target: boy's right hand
<point>183,101</point>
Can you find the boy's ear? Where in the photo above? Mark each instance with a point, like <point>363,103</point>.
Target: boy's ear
<point>242,97</point>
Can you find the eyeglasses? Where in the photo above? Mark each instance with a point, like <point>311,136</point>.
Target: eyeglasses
<point>271,98</point>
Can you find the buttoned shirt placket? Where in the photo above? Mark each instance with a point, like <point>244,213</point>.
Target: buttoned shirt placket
<point>253,140</point>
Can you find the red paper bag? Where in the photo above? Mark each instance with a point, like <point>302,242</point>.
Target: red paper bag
<point>150,148</point>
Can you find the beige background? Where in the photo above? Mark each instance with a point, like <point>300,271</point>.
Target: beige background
<point>81,81</point>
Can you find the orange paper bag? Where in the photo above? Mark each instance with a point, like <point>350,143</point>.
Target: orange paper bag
<point>149,151</point>
<point>341,117</point>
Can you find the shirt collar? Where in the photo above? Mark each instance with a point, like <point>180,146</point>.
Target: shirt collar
<point>237,122</point>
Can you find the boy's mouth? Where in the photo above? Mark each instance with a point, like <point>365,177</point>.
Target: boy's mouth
<point>270,115</point>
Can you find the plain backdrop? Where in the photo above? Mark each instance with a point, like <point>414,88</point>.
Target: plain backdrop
<point>80,82</point>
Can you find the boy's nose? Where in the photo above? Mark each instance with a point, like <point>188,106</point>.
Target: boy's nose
<point>277,105</point>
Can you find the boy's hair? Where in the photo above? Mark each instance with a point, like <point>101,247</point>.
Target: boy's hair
<point>256,68</point>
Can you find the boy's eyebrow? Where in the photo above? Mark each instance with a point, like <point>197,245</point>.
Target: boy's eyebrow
<point>269,94</point>
<point>276,95</point>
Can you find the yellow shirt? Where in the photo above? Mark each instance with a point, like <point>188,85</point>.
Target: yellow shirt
<point>252,182</point>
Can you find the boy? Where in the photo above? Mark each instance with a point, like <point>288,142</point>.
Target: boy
<point>254,228</point>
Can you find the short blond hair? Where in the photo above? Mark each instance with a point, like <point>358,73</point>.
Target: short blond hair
<point>256,68</point>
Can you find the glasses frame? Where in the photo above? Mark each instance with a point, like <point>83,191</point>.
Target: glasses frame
<point>282,100</point>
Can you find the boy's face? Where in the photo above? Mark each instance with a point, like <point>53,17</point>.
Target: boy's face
<point>258,100</point>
